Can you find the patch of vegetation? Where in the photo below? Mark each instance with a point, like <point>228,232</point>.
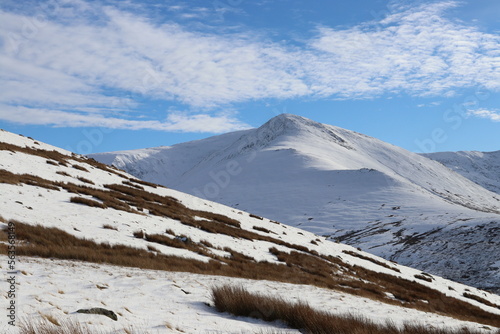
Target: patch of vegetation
<point>300,315</point>
<point>423,277</point>
<point>85,180</point>
<point>363,257</point>
<point>262,229</point>
<point>80,168</point>
<point>109,227</point>
<point>480,299</point>
<point>88,202</point>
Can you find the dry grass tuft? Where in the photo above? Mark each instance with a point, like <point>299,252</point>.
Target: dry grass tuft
<point>66,326</point>
<point>481,300</point>
<point>423,277</point>
<point>88,202</point>
<point>240,302</point>
<point>380,263</point>
<point>262,229</point>
<point>80,168</point>
<point>85,180</point>
<point>109,227</point>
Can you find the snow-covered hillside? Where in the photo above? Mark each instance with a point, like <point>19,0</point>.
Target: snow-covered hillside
<point>482,168</point>
<point>340,184</point>
<point>55,200</point>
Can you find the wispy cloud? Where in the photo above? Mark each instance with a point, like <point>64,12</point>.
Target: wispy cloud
<point>414,50</point>
<point>491,114</point>
<point>68,71</point>
<point>176,121</point>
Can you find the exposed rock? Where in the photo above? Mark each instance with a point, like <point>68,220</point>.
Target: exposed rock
<point>101,311</point>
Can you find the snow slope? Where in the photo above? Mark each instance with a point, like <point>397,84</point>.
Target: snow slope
<point>482,168</point>
<point>166,302</point>
<point>340,184</point>
<point>157,302</point>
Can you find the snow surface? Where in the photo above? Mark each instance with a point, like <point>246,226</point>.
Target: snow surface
<point>171,302</point>
<point>151,299</point>
<point>340,184</point>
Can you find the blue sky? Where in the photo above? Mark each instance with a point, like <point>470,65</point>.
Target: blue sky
<point>96,76</point>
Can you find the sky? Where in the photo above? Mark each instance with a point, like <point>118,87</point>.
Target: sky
<point>97,76</point>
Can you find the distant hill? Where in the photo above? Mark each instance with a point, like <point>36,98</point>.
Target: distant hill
<point>482,168</point>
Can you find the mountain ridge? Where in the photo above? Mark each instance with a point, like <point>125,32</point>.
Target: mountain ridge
<point>337,183</point>
<point>482,168</point>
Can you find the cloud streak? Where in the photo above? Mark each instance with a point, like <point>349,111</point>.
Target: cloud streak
<point>493,115</point>
<point>84,72</point>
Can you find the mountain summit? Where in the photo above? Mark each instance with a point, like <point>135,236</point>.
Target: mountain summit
<point>340,184</point>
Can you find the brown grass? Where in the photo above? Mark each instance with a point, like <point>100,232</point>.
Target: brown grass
<point>109,227</point>
<point>66,326</point>
<point>240,302</point>
<point>128,183</point>
<point>85,180</point>
<point>300,268</point>
<point>88,202</point>
<point>423,277</point>
<point>145,183</point>
<point>363,257</point>
<point>80,168</point>
<point>480,299</point>
<point>262,229</point>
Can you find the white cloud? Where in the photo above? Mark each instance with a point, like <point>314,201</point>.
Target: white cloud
<point>493,115</point>
<point>176,122</point>
<point>82,71</point>
<point>415,51</point>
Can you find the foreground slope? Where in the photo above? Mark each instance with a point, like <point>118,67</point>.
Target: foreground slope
<point>482,168</point>
<point>343,185</point>
<point>67,207</point>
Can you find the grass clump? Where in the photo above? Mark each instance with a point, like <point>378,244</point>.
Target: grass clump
<point>88,202</point>
<point>300,315</point>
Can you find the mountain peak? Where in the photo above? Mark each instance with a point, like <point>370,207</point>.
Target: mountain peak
<point>295,126</point>
<point>291,121</point>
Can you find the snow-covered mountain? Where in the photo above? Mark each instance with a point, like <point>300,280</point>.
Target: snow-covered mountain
<point>81,227</point>
<point>343,185</point>
<point>482,168</point>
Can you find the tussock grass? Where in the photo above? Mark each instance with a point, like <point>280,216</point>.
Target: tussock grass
<point>66,326</point>
<point>85,180</point>
<point>145,183</point>
<point>239,302</point>
<point>128,183</point>
<point>262,229</point>
<point>62,159</point>
<point>480,299</point>
<point>423,277</point>
<point>377,262</point>
<point>88,202</point>
<point>42,326</point>
<point>80,168</point>
<point>109,227</point>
